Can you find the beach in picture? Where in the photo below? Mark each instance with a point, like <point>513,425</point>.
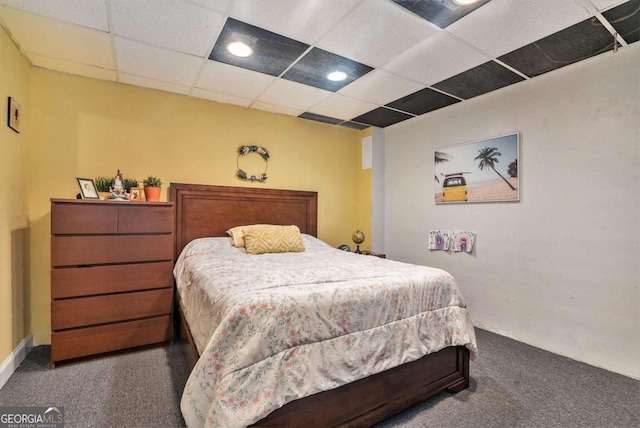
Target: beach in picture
<point>482,171</point>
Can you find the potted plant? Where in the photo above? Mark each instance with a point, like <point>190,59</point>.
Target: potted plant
<point>102,186</point>
<point>128,183</point>
<point>152,188</point>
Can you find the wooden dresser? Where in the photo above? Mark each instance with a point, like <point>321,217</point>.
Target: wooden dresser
<point>111,276</point>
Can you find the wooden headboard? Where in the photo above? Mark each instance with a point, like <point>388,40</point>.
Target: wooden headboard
<point>204,210</point>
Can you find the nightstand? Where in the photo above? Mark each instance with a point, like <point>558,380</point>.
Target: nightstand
<point>373,253</point>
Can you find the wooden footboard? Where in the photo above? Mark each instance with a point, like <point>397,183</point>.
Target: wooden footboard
<point>375,398</point>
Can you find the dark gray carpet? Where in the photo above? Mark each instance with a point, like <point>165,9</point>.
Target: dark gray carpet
<point>512,385</point>
<point>517,385</point>
<point>139,388</point>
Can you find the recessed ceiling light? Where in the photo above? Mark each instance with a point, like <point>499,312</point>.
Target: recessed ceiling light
<point>336,76</point>
<point>239,49</point>
<point>464,2</point>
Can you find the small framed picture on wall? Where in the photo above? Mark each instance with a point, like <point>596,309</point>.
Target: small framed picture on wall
<point>13,115</point>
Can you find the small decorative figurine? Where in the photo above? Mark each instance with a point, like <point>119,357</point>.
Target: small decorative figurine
<point>118,191</point>
<point>358,238</point>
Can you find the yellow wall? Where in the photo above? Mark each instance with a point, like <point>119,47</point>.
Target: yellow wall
<point>85,128</point>
<point>14,82</point>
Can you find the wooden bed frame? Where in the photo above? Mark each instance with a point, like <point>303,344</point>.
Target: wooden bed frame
<point>204,210</point>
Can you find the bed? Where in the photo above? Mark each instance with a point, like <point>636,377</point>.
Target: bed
<point>329,359</point>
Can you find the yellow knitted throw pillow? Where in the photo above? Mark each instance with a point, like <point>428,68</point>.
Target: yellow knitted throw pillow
<point>274,239</point>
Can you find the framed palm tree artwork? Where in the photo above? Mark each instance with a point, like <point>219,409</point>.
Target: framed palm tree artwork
<point>481,171</point>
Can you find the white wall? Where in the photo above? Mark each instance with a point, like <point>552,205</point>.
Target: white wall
<point>561,268</point>
<point>377,191</point>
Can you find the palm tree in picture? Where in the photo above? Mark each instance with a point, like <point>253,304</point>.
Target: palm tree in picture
<point>513,169</point>
<point>488,158</point>
<point>440,157</point>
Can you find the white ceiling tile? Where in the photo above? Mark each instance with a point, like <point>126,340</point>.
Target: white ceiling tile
<point>153,84</point>
<point>217,5</point>
<point>293,95</point>
<point>221,98</point>
<point>158,64</point>
<point>56,39</point>
<point>606,4</point>
<point>437,58</point>
<point>227,79</point>
<point>259,105</point>
<point>341,107</point>
<point>305,21</point>
<point>502,26</point>
<point>161,44</point>
<point>375,32</point>
<point>169,24</point>
<point>72,67</point>
<point>89,13</point>
<point>380,87</point>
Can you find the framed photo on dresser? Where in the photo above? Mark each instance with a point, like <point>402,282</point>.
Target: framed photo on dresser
<point>87,188</point>
<point>135,194</point>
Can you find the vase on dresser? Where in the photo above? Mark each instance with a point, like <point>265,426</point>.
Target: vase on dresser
<point>152,194</point>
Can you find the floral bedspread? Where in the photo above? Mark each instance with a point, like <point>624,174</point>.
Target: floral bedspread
<point>273,328</point>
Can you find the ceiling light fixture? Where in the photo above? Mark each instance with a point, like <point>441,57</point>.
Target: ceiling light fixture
<point>336,76</point>
<point>239,49</point>
<point>464,2</point>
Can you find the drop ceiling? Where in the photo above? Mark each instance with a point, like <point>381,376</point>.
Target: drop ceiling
<point>403,58</point>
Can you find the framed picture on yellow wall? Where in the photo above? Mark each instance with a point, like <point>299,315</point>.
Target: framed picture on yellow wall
<point>13,115</point>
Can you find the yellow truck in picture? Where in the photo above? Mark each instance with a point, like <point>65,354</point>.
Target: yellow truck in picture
<point>454,187</point>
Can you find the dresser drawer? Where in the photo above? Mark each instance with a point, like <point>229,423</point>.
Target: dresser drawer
<point>84,311</point>
<point>107,217</point>
<point>145,219</point>
<point>82,219</point>
<point>95,250</point>
<point>87,281</point>
<point>94,340</point>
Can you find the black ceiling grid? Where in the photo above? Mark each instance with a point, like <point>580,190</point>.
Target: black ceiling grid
<point>382,117</point>
<point>313,68</point>
<point>423,101</point>
<point>479,80</point>
<point>439,12</point>
<point>576,43</point>
<point>290,59</point>
<point>626,20</point>
<point>273,53</point>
